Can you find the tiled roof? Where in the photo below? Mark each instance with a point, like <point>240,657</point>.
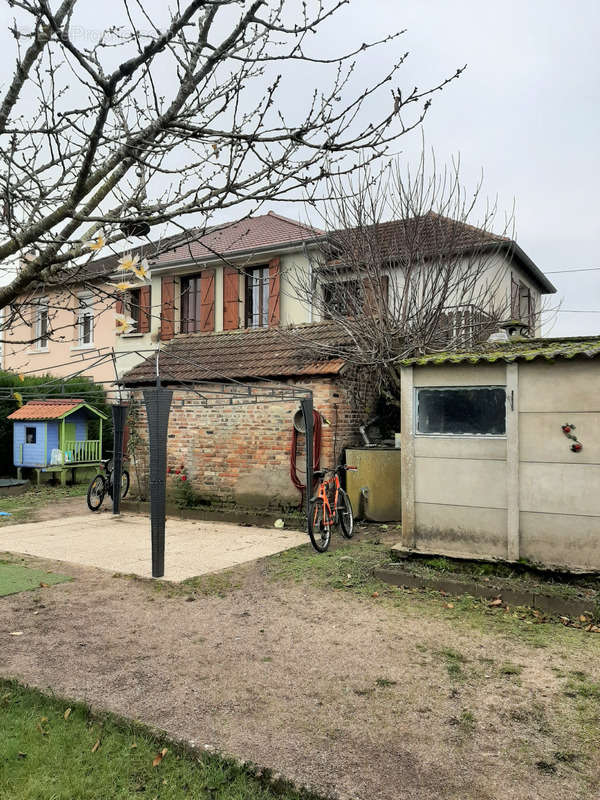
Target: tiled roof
<point>251,233</point>
<point>46,409</point>
<point>517,350</point>
<point>244,355</point>
<point>432,235</point>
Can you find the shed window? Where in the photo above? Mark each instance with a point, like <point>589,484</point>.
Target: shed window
<point>30,435</point>
<point>466,410</point>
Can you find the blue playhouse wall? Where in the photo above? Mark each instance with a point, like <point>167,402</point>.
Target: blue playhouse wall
<point>33,454</point>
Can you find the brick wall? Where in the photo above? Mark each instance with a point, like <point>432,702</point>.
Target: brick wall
<point>242,452</point>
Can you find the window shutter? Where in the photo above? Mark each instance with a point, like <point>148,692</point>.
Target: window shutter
<point>167,315</point>
<point>274,292</point>
<point>514,297</point>
<point>532,317</point>
<point>119,310</point>
<point>231,299</point>
<point>376,296</point>
<point>145,307</point>
<point>207,301</point>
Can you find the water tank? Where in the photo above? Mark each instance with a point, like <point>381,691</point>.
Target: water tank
<point>374,489</point>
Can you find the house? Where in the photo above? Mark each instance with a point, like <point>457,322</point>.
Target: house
<point>501,452</point>
<point>52,436</point>
<point>233,276</point>
<point>226,300</point>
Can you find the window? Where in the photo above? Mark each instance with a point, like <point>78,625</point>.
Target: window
<point>85,321</point>
<point>190,304</point>
<point>132,308</point>
<point>41,325</point>
<point>466,410</point>
<point>30,435</point>
<point>343,298</point>
<point>257,297</point>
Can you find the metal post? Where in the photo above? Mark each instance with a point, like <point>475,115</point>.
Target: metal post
<point>306,405</point>
<point>119,417</point>
<point>158,406</point>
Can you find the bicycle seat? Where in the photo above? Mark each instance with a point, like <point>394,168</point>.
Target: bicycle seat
<point>320,473</point>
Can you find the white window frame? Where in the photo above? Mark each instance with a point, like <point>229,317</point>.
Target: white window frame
<point>85,309</point>
<point>40,310</point>
<point>416,391</point>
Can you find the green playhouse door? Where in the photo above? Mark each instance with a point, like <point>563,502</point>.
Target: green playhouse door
<point>70,432</point>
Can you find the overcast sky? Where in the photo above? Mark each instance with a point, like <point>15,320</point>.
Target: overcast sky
<point>526,111</point>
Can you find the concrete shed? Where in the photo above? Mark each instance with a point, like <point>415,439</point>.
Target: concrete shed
<point>501,452</point>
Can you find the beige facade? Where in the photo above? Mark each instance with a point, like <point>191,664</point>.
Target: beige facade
<point>524,494</point>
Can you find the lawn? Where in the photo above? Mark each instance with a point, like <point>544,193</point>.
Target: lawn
<point>51,748</point>
<point>24,507</point>
<point>16,578</point>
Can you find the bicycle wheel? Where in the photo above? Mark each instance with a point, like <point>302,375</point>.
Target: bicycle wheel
<point>319,533</point>
<point>345,515</point>
<point>124,483</point>
<point>95,493</point>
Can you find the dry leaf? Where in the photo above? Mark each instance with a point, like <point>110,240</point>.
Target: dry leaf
<point>44,585</point>
<point>67,713</point>
<point>448,605</point>
<point>583,618</point>
<point>497,601</point>
<point>375,594</point>
<point>21,755</point>
<point>133,745</point>
<point>96,746</point>
<point>16,633</point>
<point>160,757</point>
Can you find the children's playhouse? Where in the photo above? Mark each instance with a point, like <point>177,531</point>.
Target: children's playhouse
<point>53,436</point>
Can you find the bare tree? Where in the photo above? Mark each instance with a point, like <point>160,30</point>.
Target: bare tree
<point>402,271</point>
<point>102,140</point>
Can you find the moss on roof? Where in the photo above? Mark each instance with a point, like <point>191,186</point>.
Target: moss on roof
<point>515,350</point>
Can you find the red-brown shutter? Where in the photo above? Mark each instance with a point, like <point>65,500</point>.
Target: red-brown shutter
<point>376,295</point>
<point>167,314</point>
<point>532,313</point>
<point>119,310</point>
<point>231,299</point>
<point>207,301</point>
<point>145,303</point>
<point>274,292</point>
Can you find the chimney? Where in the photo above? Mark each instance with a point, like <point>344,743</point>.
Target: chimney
<point>511,329</point>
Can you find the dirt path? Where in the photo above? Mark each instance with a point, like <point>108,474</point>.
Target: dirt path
<point>336,692</point>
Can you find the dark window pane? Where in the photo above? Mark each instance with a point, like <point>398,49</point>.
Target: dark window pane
<point>257,297</point>
<point>465,410</point>
<point>30,435</point>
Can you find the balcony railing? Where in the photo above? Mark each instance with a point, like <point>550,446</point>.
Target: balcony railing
<point>81,452</point>
<point>466,325</point>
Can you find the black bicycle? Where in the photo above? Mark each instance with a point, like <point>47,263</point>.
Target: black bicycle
<point>102,485</point>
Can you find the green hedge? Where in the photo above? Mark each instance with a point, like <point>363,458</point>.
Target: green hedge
<point>35,387</point>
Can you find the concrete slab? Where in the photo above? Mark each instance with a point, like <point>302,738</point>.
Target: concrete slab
<point>122,543</point>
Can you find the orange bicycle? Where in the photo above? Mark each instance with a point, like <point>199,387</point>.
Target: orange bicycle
<point>330,506</point>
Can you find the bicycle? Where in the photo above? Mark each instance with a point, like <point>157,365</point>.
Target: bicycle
<point>322,517</point>
<point>103,484</point>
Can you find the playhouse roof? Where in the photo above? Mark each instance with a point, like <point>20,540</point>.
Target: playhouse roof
<point>52,409</point>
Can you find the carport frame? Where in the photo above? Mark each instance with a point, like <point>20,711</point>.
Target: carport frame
<point>157,401</point>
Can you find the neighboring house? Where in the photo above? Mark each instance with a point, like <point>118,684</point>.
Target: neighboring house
<point>501,452</point>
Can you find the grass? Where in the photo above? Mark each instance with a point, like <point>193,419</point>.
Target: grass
<point>349,568</point>
<point>22,507</point>
<point>522,576</point>
<point>17,578</point>
<point>454,662</point>
<point>51,748</point>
